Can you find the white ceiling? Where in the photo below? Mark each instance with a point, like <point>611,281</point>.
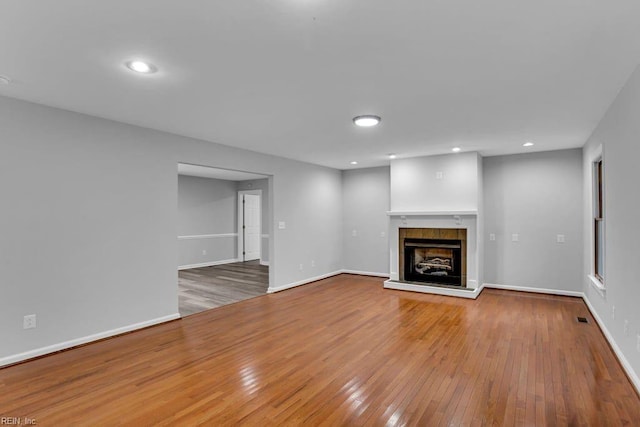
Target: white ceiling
<point>286,77</point>
<point>215,173</point>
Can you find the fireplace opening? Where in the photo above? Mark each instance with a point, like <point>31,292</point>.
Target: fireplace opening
<point>433,261</point>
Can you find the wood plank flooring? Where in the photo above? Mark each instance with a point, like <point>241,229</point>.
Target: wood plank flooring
<point>201,289</point>
<point>341,351</point>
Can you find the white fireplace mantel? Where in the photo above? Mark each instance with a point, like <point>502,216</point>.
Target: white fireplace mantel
<point>467,219</point>
<point>430,213</point>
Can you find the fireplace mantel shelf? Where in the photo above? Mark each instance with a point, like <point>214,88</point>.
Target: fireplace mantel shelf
<point>430,213</point>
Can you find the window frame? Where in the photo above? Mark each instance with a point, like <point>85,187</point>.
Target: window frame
<point>598,219</point>
<point>597,206</point>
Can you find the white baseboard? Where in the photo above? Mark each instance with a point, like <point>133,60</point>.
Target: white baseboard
<point>9,360</point>
<point>302,282</point>
<point>264,263</point>
<point>208,264</point>
<point>365,273</point>
<point>535,290</point>
<point>619,354</point>
<point>426,289</point>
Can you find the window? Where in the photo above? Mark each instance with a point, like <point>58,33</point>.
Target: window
<point>598,221</point>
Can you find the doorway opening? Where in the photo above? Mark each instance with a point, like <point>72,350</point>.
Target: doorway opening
<point>223,250</point>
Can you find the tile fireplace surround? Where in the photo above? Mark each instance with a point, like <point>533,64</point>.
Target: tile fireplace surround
<point>436,225</point>
<point>442,234</point>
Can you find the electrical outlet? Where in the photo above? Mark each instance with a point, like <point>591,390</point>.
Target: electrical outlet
<point>560,238</point>
<point>492,236</point>
<point>354,233</point>
<point>613,312</point>
<point>29,321</point>
<point>282,225</point>
<point>204,252</point>
<point>313,263</point>
<point>626,328</point>
<point>638,343</point>
<point>439,175</point>
<point>301,267</point>
<point>515,237</point>
<point>383,234</point>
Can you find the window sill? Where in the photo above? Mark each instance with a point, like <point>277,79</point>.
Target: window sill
<point>597,285</point>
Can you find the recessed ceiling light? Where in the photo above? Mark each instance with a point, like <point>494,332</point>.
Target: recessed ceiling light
<point>5,80</point>
<point>354,162</point>
<point>528,144</point>
<point>456,149</point>
<point>367,120</point>
<point>141,67</point>
<point>392,156</point>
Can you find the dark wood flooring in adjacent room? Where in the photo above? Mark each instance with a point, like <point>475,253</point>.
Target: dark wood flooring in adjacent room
<point>341,351</point>
<point>205,288</point>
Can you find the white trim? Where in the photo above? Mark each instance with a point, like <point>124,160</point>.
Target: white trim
<point>264,263</point>
<point>431,213</point>
<point>302,282</point>
<point>535,290</point>
<point>365,273</point>
<point>207,236</point>
<point>264,236</point>
<point>426,289</point>
<point>594,157</point>
<point>208,264</point>
<point>9,360</point>
<point>633,377</point>
<point>597,285</point>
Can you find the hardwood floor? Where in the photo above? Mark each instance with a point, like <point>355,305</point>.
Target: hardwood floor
<point>342,351</point>
<point>201,289</point>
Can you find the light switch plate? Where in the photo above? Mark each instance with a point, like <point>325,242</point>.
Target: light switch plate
<point>492,236</point>
<point>560,238</point>
<point>515,237</point>
<point>282,225</point>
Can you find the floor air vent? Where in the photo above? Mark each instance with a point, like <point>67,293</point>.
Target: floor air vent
<point>582,320</point>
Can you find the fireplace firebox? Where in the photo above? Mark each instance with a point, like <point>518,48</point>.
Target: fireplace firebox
<point>436,261</point>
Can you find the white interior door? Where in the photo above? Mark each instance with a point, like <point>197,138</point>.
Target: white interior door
<point>251,229</point>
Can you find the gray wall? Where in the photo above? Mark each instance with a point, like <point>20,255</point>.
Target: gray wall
<point>207,220</point>
<point>365,202</point>
<point>263,185</point>
<point>618,134</point>
<point>537,196</point>
<point>89,221</point>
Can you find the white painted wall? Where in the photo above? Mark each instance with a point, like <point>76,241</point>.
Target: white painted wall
<point>365,201</point>
<point>537,196</point>
<point>89,222</point>
<point>207,214</point>
<point>618,133</point>
<point>416,186</point>
<point>262,185</point>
